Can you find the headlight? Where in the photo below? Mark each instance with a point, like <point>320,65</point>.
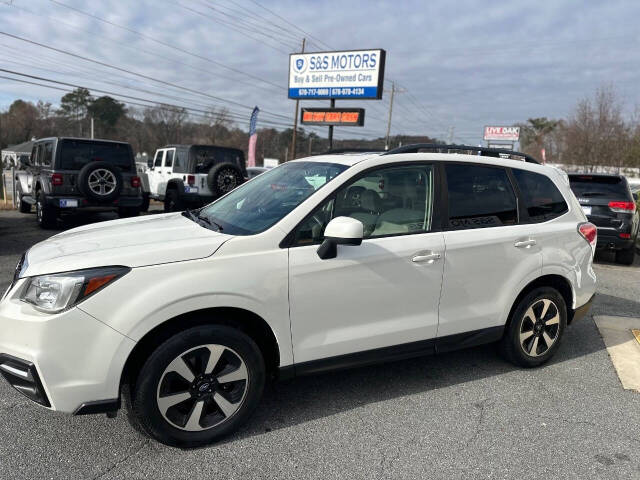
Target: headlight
<point>60,291</point>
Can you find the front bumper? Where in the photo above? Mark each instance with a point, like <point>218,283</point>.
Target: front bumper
<point>60,361</point>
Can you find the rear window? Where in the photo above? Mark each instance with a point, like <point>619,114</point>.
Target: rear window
<point>75,154</point>
<point>542,199</point>
<point>207,157</point>
<point>599,186</point>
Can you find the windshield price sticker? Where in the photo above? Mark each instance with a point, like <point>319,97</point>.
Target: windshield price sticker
<point>348,74</point>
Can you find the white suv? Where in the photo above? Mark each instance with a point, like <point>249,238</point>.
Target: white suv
<point>320,263</point>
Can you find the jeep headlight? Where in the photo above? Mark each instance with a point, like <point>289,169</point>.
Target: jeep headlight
<point>60,291</point>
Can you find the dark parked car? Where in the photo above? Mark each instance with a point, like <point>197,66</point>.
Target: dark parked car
<point>77,174</point>
<point>608,203</point>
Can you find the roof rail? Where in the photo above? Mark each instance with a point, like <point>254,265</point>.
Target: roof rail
<point>350,150</point>
<point>444,148</point>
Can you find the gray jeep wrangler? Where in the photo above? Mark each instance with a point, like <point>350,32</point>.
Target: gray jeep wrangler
<point>66,175</point>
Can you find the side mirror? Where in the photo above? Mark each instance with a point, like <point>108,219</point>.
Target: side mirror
<point>635,196</point>
<point>340,231</point>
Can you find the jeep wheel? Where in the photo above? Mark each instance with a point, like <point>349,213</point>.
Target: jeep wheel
<point>535,328</point>
<point>21,205</point>
<point>198,386</point>
<point>46,214</point>
<point>172,201</point>
<point>100,181</point>
<point>223,178</point>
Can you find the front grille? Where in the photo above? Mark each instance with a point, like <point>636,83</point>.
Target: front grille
<point>23,376</point>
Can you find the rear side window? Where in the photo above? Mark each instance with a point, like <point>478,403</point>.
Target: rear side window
<point>542,199</point>
<point>599,186</point>
<point>75,154</point>
<point>168,158</point>
<point>47,154</point>
<point>480,197</point>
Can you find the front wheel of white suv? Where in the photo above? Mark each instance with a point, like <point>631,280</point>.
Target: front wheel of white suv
<point>198,386</point>
<point>535,328</point>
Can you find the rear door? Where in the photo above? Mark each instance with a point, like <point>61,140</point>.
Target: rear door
<point>489,255</point>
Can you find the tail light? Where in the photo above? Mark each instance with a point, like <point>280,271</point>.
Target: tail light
<point>135,182</point>
<point>622,207</point>
<point>56,179</point>
<point>589,232</point>
<point>625,235</point>
<point>191,180</point>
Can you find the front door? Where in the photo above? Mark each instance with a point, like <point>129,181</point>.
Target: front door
<point>381,293</point>
<point>155,174</point>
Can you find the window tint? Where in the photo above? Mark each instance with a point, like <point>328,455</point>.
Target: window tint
<point>599,186</point>
<point>480,197</point>
<point>389,201</point>
<point>47,154</point>
<point>180,160</point>
<point>75,154</point>
<point>157,162</point>
<point>542,199</point>
<point>168,158</point>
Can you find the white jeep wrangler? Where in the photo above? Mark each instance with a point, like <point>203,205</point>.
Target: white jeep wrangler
<point>184,176</point>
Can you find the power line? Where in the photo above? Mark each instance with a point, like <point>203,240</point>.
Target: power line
<point>104,64</point>
<point>168,45</point>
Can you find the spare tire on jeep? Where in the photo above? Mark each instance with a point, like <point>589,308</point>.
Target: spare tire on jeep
<point>100,181</point>
<point>223,178</point>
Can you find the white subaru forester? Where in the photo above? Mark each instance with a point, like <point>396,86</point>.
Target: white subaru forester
<point>321,263</point>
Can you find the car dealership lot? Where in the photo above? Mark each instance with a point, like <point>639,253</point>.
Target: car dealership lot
<point>464,414</point>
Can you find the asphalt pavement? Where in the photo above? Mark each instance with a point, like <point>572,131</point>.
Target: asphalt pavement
<point>466,414</point>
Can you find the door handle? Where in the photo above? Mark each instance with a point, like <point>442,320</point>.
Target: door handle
<point>429,257</point>
<point>525,243</point>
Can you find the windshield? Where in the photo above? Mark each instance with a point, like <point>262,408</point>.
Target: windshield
<point>260,203</point>
<point>75,154</point>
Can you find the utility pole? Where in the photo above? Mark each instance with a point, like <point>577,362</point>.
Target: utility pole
<point>394,90</point>
<point>452,129</point>
<point>332,105</point>
<point>92,127</point>
<point>295,117</point>
<point>310,144</point>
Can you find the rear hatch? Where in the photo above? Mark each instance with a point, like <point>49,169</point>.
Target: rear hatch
<point>73,154</point>
<point>605,200</point>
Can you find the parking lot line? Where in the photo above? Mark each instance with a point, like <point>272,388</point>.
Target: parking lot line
<point>621,336</point>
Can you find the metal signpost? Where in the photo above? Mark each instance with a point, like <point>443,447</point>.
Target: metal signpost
<point>352,74</point>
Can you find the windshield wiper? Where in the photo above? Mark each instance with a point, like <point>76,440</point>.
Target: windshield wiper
<point>193,215</point>
<point>210,222</point>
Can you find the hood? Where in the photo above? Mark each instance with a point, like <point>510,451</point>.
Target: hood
<point>132,242</point>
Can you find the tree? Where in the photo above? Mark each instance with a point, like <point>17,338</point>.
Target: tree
<point>538,134</point>
<point>74,105</point>
<point>164,124</point>
<point>106,113</point>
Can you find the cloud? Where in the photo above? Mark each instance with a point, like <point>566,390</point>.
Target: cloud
<point>463,63</point>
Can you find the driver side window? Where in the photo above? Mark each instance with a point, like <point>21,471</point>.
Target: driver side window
<point>389,201</point>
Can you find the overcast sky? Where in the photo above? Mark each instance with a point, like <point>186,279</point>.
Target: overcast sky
<point>459,63</point>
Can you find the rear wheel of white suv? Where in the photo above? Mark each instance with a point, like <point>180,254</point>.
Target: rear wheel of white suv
<point>198,386</point>
<point>535,328</point>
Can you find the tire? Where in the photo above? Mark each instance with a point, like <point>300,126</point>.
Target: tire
<point>172,201</point>
<point>127,212</point>
<point>522,335</point>
<point>223,178</point>
<point>23,206</point>
<point>100,181</point>
<point>626,256</point>
<point>46,215</point>
<point>145,202</point>
<point>198,417</point>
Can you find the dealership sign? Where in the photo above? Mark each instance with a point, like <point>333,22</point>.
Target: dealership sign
<point>348,74</point>
<point>346,117</point>
<point>509,134</point>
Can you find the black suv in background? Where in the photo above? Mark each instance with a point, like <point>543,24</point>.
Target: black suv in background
<point>608,203</point>
<point>76,174</point>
